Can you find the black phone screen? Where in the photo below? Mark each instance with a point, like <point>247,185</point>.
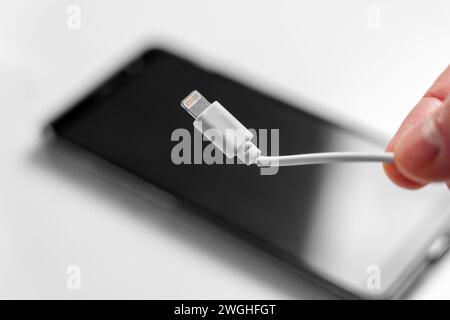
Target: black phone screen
<point>319,217</point>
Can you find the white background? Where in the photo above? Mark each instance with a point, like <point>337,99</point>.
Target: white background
<point>330,52</point>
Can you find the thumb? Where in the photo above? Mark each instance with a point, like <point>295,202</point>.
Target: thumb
<point>423,153</point>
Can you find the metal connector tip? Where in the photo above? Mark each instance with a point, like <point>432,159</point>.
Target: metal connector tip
<point>195,103</point>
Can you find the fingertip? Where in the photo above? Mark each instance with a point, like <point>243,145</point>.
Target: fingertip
<point>394,173</point>
<point>399,179</point>
<point>423,154</point>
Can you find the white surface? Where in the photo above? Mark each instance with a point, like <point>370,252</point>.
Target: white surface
<point>127,248</point>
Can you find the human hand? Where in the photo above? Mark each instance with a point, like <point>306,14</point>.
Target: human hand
<point>422,144</point>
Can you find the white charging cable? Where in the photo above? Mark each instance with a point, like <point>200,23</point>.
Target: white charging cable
<point>234,139</point>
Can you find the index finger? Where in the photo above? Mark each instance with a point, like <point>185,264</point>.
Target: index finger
<point>432,99</point>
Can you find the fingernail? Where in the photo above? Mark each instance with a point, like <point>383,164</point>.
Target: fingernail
<point>420,146</point>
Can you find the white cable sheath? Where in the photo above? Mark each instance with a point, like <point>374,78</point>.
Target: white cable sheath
<point>325,157</point>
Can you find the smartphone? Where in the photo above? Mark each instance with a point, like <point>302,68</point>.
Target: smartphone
<point>344,226</point>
